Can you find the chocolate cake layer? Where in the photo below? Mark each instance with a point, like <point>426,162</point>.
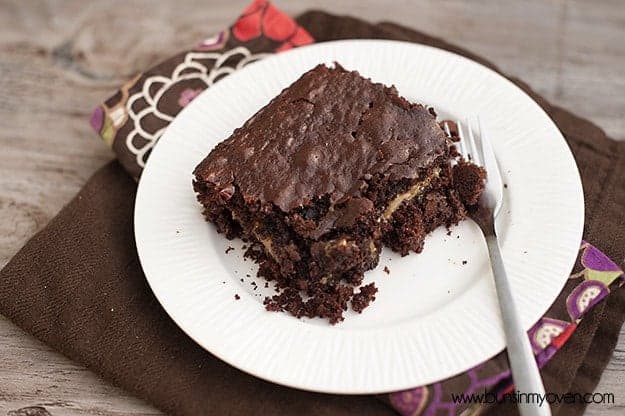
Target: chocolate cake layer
<point>324,175</point>
<point>324,135</point>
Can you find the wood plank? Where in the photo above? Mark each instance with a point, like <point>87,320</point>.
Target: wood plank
<point>59,59</point>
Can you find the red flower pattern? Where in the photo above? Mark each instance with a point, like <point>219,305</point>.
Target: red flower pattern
<point>559,341</point>
<point>261,18</point>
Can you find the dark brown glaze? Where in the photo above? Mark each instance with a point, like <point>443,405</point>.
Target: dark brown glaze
<point>324,135</point>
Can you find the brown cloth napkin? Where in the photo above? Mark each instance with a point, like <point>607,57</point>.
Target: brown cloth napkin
<point>78,286</point>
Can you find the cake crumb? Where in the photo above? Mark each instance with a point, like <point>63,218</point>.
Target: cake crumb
<point>229,249</point>
<point>448,232</point>
<point>386,270</point>
<point>236,296</point>
<point>505,185</point>
<point>464,262</point>
<point>469,182</point>
<point>363,298</point>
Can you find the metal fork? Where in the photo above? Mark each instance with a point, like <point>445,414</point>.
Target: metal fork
<point>522,362</point>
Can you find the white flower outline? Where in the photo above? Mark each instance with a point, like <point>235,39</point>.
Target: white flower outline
<point>201,72</point>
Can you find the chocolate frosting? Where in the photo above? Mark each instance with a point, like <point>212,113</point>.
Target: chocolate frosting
<point>324,135</point>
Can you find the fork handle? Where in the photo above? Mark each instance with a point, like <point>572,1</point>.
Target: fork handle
<point>522,362</point>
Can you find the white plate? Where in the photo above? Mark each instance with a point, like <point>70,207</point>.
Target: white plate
<point>434,317</point>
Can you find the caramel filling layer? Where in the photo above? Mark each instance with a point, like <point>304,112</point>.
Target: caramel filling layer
<point>413,192</point>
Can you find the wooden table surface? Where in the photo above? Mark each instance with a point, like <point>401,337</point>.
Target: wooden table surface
<point>59,59</point>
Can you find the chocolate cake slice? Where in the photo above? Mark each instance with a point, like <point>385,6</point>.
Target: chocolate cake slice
<point>320,178</point>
